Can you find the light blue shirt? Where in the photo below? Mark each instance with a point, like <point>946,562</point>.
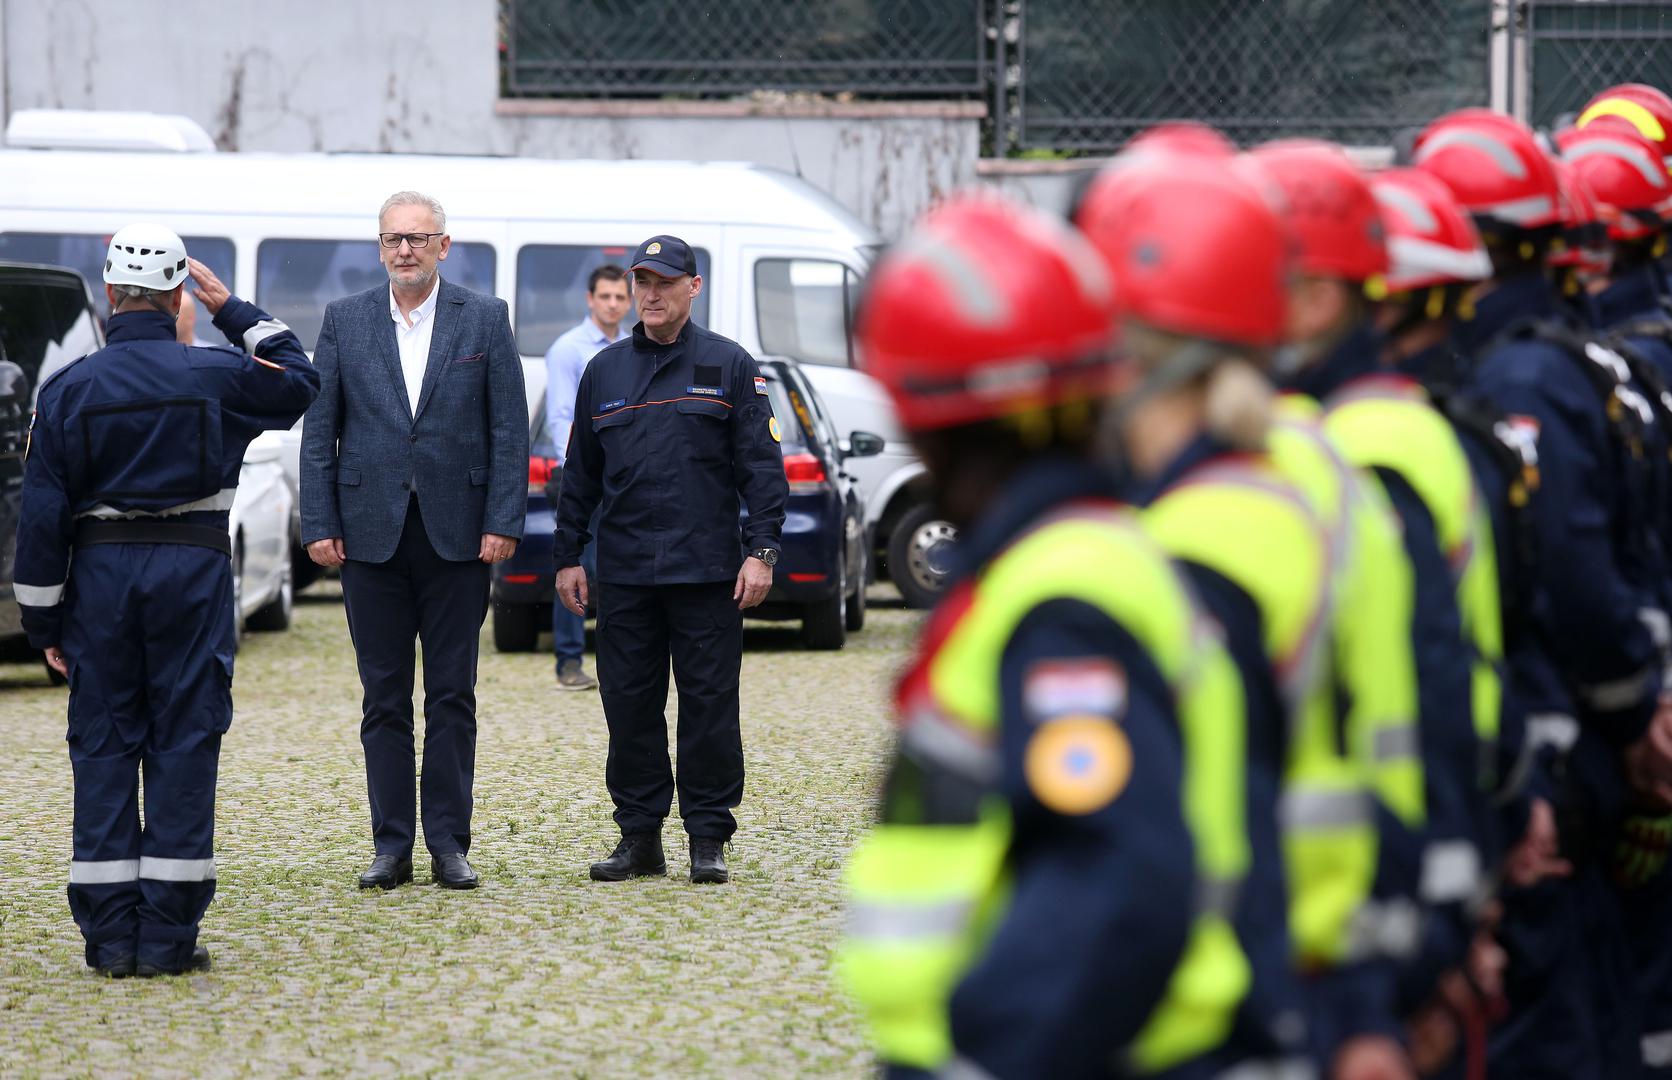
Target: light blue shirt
<point>566,360</point>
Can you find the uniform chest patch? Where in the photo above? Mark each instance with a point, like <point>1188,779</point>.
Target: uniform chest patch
<point>705,391</point>
<point>760,385</point>
<point>1077,765</point>
<point>609,405</point>
<point>1091,686</point>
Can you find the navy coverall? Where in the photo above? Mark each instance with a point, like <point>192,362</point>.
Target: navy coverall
<point>134,461</point>
<point>1572,1012</point>
<point>669,443</point>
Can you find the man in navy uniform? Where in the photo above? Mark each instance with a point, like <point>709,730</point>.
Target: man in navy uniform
<point>673,432</point>
<point>134,460</point>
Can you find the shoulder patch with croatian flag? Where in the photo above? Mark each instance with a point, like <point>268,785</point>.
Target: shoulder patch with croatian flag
<point>1090,686</point>
<point>760,385</point>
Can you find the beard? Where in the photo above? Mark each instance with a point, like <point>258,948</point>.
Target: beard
<point>419,277</point>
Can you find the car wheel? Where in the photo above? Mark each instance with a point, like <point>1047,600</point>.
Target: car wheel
<point>275,614</point>
<point>824,624</point>
<point>237,592</point>
<point>855,606</point>
<point>515,628</point>
<point>920,555</point>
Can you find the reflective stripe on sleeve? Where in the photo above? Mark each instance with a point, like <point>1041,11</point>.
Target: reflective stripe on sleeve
<point>156,869</point>
<point>1657,1049</point>
<point>104,872</point>
<point>962,1068</point>
<point>871,921</point>
<point>1397,743</point>
<point>1323,809</point>
<point>1552,729</point>
<point>1450,872</point>
<point>1616,693</point>
<point>261,331</point>
<point>1384,928</point>
<point>221,500</point>
<point>38,595</point>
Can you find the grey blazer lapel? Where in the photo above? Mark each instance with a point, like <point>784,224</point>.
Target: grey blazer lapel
<point>383,336</point>
<point>449,308</point>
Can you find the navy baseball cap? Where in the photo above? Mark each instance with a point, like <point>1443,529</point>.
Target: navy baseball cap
<point>666,255</point>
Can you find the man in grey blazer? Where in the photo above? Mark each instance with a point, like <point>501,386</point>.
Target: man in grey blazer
<point>414,480</point>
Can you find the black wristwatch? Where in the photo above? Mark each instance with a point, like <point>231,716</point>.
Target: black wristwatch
<point>769,556</point>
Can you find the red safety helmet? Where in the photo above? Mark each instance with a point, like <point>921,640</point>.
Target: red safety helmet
<point>1646,108</point>
<point>1494,166</point>
<point>1585,223</point>
<point>1625,172</point>
<point>1195,248</point>
<point>1182,136</point>
<point>1431,240</point>
<point>986,308</point>
<point>1329,206</point>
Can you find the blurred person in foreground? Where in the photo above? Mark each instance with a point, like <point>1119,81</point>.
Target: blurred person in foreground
<point>1062,820</point>
<point>414,481</point>
<point>607,305</point>
<point>124,576</point>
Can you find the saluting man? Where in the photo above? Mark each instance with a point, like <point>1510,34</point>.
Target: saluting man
<point>672,433</point>
<point>133,465</point>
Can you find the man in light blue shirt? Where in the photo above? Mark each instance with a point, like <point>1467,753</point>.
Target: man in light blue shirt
<point>606,306</point>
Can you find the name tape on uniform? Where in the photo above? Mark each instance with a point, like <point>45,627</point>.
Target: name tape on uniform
<point>1059,687</point>
<point>705,391</point>
<point>616,404</point>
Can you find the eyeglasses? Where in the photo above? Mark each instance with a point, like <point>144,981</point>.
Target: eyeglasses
<point>415,239</point>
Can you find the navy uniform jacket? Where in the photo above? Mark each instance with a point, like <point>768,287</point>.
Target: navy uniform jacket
<point>148,427</point>
<point>667,440</point>
<point>1101,906</point>
<point>1606,651</point>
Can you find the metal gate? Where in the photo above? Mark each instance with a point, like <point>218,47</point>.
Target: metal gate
<point>1573,48</point>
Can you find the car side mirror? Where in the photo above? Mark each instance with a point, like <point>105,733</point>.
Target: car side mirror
<point>864,444</point>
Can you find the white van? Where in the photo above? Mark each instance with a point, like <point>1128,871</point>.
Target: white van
<point>781,261</point>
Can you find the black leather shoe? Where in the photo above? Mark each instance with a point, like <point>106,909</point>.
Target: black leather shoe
<point>638,855</point>
<point>452,871</point>
<point>198,962</point>
<point>387,871</point>
<point>708,862</point>
<point>119,968</point>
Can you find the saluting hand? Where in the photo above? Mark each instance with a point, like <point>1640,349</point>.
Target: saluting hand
<point>753,581</point>
<point>209,292</point>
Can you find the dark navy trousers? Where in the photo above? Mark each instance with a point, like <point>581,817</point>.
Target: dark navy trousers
<point>417,596</point>
<point>698,627</point>
<point>149,634</point>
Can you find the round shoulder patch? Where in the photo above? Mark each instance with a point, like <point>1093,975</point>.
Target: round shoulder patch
<point>1078,764</point>
<point>772,426</point>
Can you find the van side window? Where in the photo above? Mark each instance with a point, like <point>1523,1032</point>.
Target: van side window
<point>295,279</point>
<point>85,254</point>
<point>551,289</point>
<point>804,310</point>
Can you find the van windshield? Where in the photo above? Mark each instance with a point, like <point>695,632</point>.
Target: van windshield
<point>295,279</point>
<point>551,289</point>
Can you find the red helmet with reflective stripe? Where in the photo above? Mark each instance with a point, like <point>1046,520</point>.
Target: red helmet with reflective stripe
<point>1647,109</point>
<point>1182,136</point>
<point>1585,223</point>
<point>1431,240</point>
<point>1196,249</point>
<point>1330,208</point>
<point>1494,166</point>
<point>986,308</point>
<point>1625,172</point>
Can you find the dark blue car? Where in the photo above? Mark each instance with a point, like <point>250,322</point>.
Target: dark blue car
<point>822,570</point>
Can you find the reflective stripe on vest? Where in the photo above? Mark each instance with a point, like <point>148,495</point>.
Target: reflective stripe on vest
<point>1245,522</point>
<point>1388,422</point>
<point>1371,635</point>
<point>1137,588</point>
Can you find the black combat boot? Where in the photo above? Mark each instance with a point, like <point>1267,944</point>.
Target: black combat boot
<point>638,855</point>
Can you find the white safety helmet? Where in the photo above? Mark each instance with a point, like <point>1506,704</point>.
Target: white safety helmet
<point>152,256</point>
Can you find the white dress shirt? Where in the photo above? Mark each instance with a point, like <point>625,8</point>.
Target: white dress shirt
<point>414,340</point>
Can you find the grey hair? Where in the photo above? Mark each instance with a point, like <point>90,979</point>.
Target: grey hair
<point>140,292</point>
<point>415,198</point>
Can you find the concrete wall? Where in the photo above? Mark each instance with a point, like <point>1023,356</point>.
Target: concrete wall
<point>422,77</point>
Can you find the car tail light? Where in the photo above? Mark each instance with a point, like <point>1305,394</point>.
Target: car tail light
<point>808,579</point>
<point>522,579</point>
<point>539,472</point>
<point>805,473</point>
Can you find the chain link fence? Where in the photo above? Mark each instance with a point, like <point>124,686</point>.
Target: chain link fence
<point>657,48</point>
<point>1577,48</point>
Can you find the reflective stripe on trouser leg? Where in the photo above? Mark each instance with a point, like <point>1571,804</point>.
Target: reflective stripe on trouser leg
<point>177,864</point>
<point>104,892</point>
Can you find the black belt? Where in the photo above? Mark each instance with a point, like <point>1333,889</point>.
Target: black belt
<point>90,531</point>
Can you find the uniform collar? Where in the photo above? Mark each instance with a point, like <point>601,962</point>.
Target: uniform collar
<point>1525,296</point>
<point>1634,294</point>
<point>139,326</point>
<point>642,340</point>
<point>1354,356</point>
<point>422,311</point>
<point>1035,488</point>
<point>1196,453</point>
